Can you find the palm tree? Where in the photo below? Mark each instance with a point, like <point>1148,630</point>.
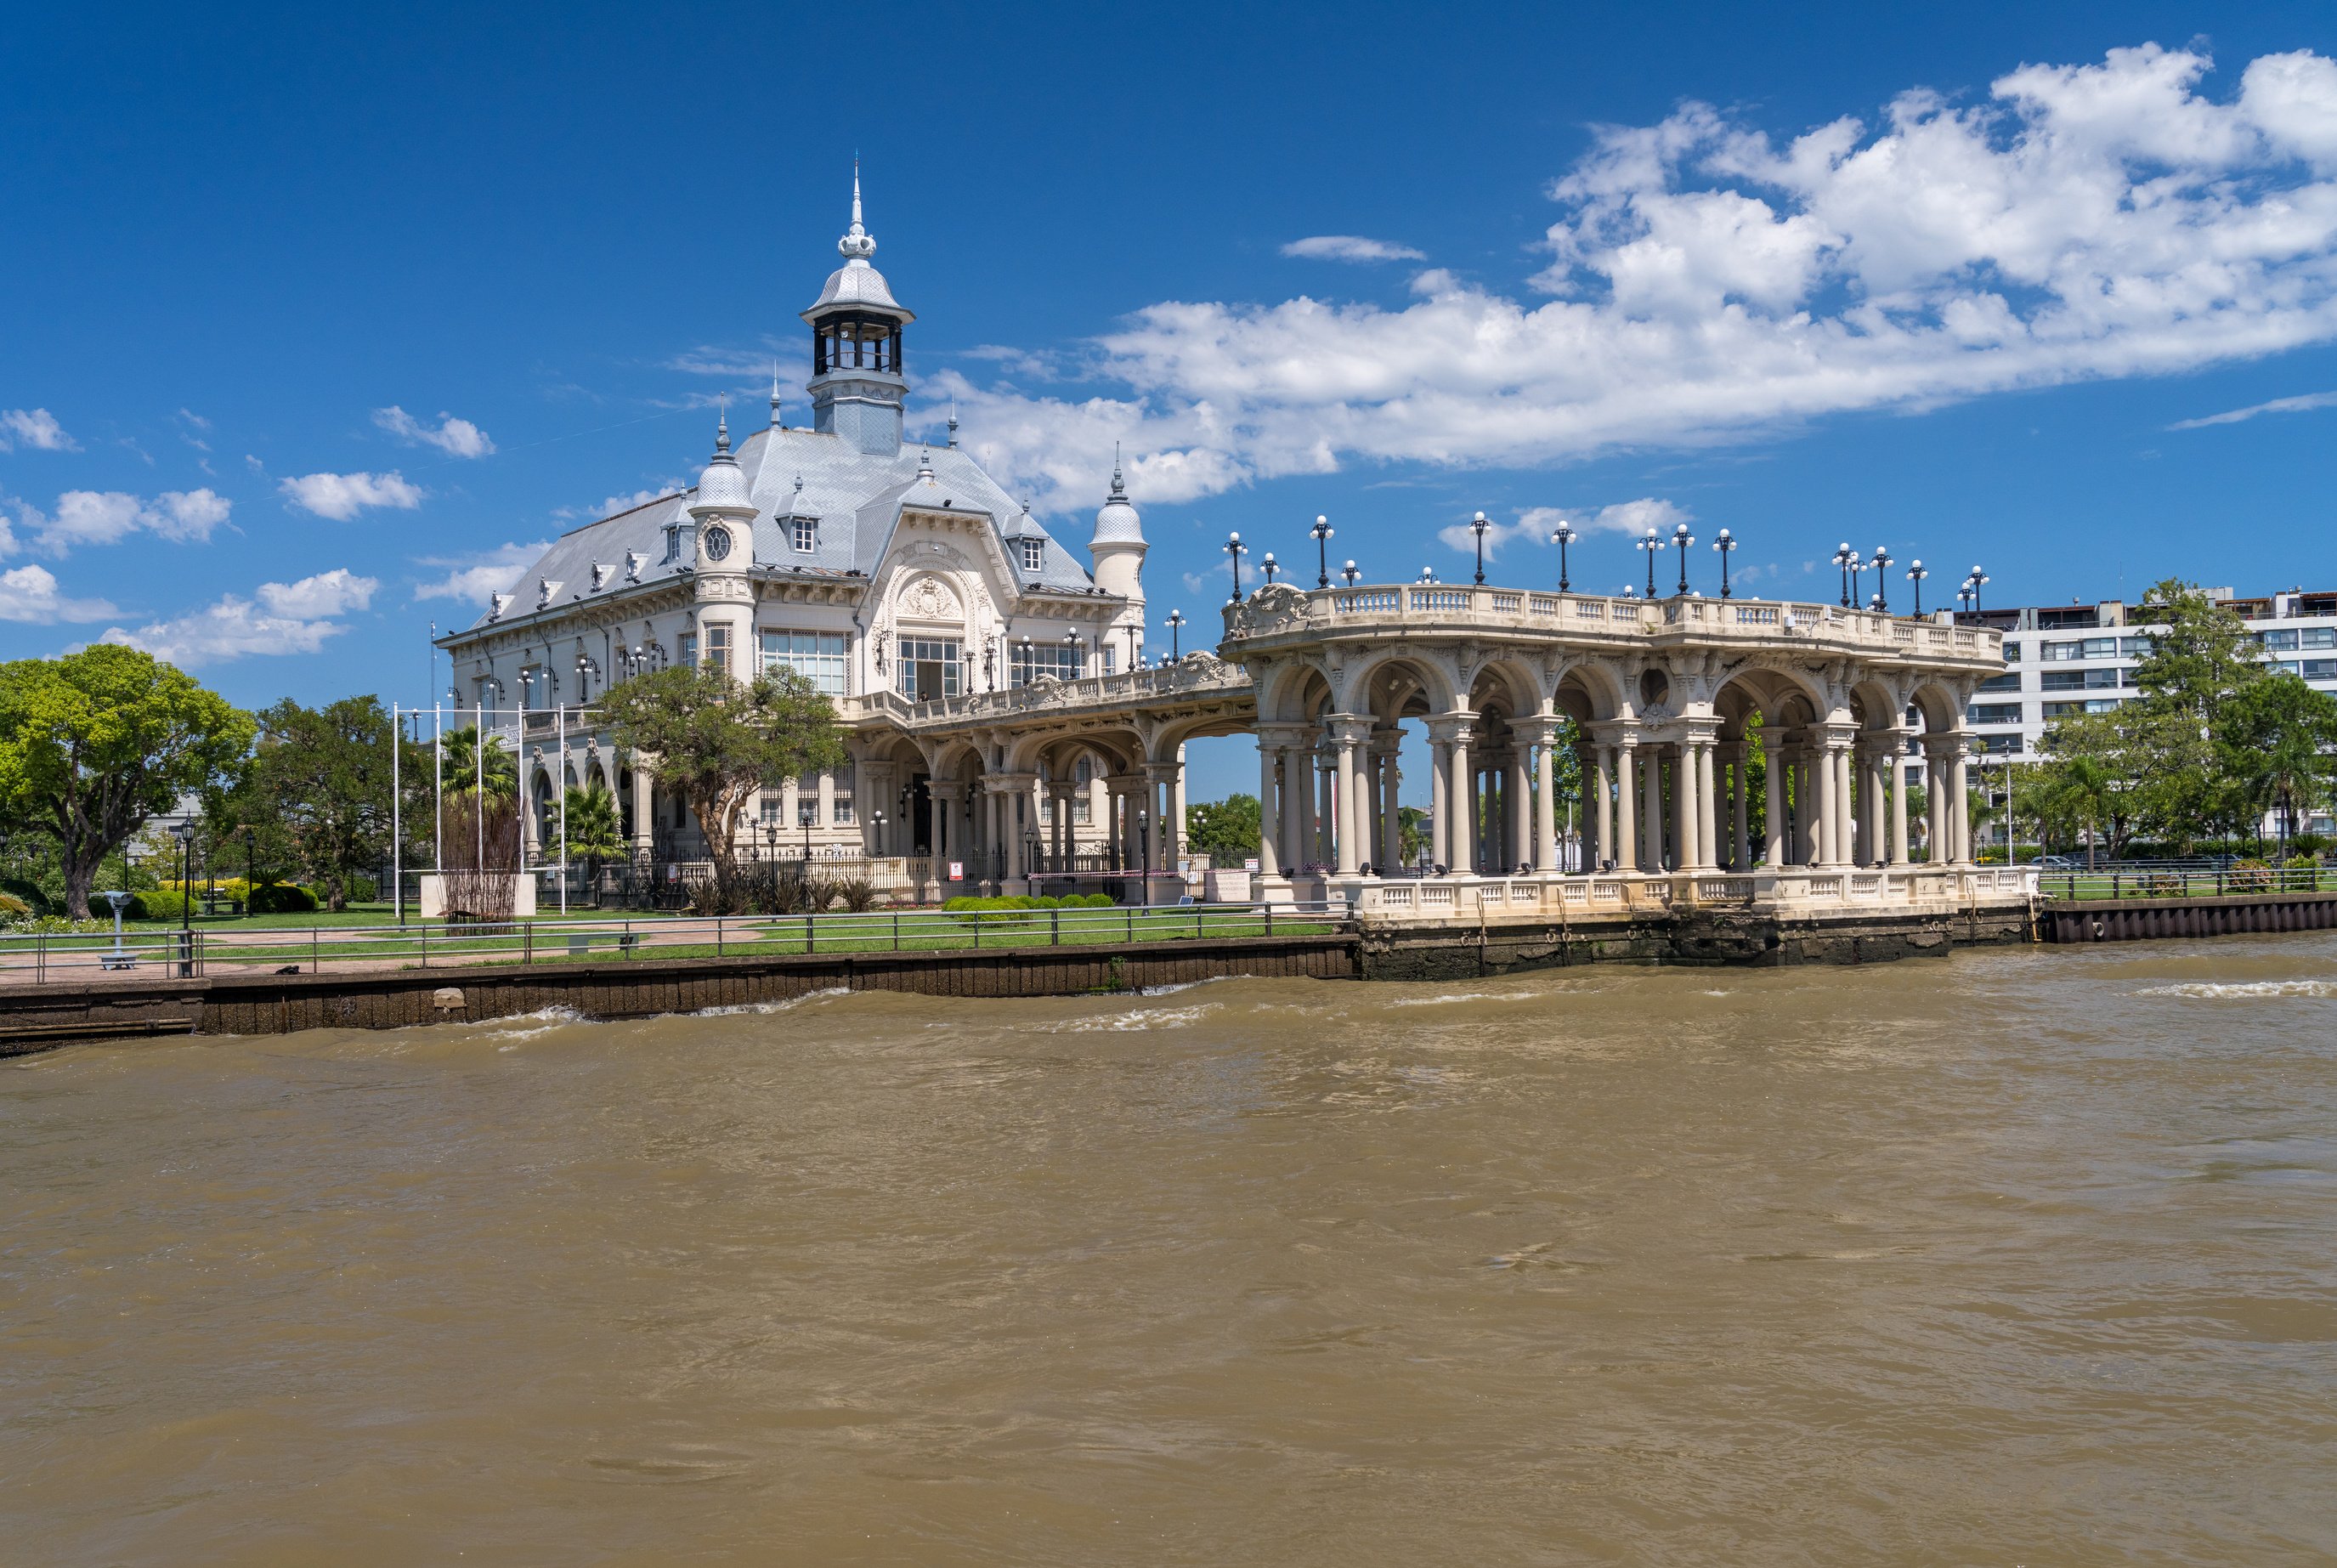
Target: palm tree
<point>594,833</point>
<point>2088,783</point>
<point>460,764</point>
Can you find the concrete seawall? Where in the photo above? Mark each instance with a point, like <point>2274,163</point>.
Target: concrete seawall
<point>34,1018</point>
<point>2142,919</point>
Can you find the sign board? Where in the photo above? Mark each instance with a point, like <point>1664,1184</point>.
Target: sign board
<point>957,871</point>
<point>1250,864</point>
<point>673,873</point>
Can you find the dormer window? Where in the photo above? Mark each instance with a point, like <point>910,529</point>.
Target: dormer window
<point>801,534</point>
<point>1034,553</point>
<point>672,541</point>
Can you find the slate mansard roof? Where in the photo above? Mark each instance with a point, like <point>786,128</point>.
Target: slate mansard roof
<point>855,499</point>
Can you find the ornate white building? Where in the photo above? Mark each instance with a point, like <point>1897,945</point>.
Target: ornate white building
<point>870,565</point>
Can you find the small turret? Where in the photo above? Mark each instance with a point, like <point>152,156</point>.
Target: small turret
<point>1118,545</point>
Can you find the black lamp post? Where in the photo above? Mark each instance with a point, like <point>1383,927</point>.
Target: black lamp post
<point>1562,535</point>
<point>1271,566</point>
<point>1681,540</point>
<point>1351,572</point>
<point>1842,557</point>
<point>1235,550</point>
<point>1881,562</point>
<point>1078,651</point>
<point>1650,543</point>
<point>1479,526</point>
<point>1915,574</point>
<point>1978,579</point>
<point>184,832</point>
<point>804,811</point>
<point>1176,625</point>
<point>1428,574</point>
<point>1724,543</point>
<point>1966,595</point>
<point>1321,535</point>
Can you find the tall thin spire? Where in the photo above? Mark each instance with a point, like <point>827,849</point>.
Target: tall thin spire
<point>952,425</point>
<point>1119,489</point>
<point>858,244</point>
<point>775,393</point>
<point>722,426</point>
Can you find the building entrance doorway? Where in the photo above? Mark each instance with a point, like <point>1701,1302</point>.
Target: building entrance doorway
<point>917,808</point>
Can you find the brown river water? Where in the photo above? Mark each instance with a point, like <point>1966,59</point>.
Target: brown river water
<point>2012,1257</point>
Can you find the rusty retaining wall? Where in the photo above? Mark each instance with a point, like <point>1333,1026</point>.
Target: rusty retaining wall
<point>2140,919</point>
<point>38,1017</point>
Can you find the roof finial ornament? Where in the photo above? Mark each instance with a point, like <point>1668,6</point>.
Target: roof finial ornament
<point>952,425</point>
<point>723,426</point>
<point>775,394</point>
<point>1119,489</point>
<point>858,244</point>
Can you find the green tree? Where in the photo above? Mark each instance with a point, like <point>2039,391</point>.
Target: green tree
<point>2094,778</point>
<point>460,766</point>
<point>593,833</point>
<point>1413,832</point>
<point>2202,660</point>
<point>714,741</point>
<point>322,777</point>
<point>2278,734</point>
<point>1226,831</point>
<point>94,743</point>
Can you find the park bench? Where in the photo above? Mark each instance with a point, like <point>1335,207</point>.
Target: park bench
<point>579,943</point>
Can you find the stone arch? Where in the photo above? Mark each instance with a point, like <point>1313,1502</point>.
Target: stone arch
<point>1937,706</point>
<point>1516,684</point>
<point>1433,677</point>
<point>1589,690</point>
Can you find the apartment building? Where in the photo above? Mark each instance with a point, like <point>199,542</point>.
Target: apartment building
<point>2062,659</point>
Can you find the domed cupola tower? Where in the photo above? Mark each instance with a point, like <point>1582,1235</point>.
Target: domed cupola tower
<point>723,514</point>
<point>857,386</point>
<point>1116,545</point>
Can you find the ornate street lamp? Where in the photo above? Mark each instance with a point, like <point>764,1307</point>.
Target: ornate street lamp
<point>1915,574</point>
<point>1651,545</point>
<point>1271,566</point>
<point>184,832</point>
<point>1428,574</point>
<point>1176,625</point>
<point>1235,550</point>
<point>989,668</point>
<point>1978,579</point>
<point>1881,584</point>
<point>1480,527</point>
<point>1726,542</point>
<point>588,669</point>
<point>1078,650</point>
<point>1682,539</point>
<point>1320,534</point>
<point>1965,595</point>
<point>1842,558</point>
<point>1351,572</point>
<point>1023,642</point>
<point>1562,535</point>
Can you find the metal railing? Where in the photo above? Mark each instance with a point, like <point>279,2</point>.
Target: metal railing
<point>2185,882</point>
<point>165,954</point>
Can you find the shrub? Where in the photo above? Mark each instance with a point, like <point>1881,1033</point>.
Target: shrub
<point>55,926</point>
<point>858,893</point>
<point>281,898</point>
<point>162,904</point>
<point>12,907</point>
<point>2248,876</point>
<point>361,890</point>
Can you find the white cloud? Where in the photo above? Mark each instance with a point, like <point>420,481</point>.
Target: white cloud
<point>333,592</point>
<point>30,593</point>
<point>2310,400</point>
<point>1533,525</point>
<point>1349,248</point>
<point>1708,283</point>
<point>473,579</point>
<point>611,505</point>
<point>289,618</point>
<point>341,496</point>
<point>455,437</point>
<point>108,516</point>
<point>35,428</point>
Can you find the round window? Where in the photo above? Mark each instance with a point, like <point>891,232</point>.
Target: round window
<point>718,543</point>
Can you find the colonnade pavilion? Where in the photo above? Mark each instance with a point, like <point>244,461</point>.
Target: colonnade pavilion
<point>1006,722</point>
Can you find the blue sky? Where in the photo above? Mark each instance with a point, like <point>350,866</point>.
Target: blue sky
<point>308,315</point>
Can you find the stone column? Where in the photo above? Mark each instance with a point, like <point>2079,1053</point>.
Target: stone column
<point>1523,812</point>
<point>1651,810</point>
<point>1176,833</point>
<point>1896,766</point>
<point>1269,806</point>
<point>1774,853</point>
<point>644,827</point>
<point>1608,771</point>
<point>1627,807</point>
<point>1391,802</point>
<point>1959,799</point>
<point>1348,829</point>
<point>1440,762</point>
<point>1685,813</point>
<point>1323,850</point>
<point>1461,798</point>
<point>1545,834</point>
<point>1707,837</point>
<point>936,813</point>
<point>1741,840</point>
<point>1295,783</point>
